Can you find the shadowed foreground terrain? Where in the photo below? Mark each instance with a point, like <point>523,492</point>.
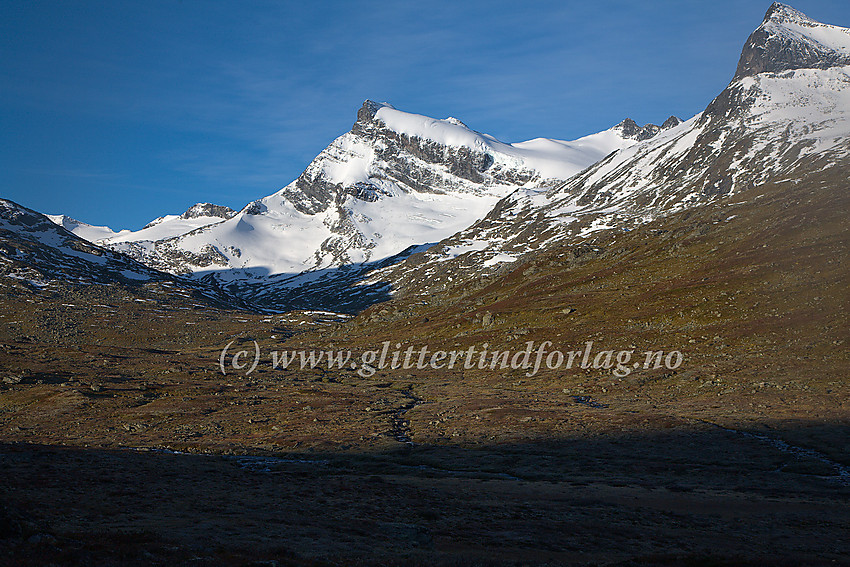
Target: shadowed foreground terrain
<point>692,496</point>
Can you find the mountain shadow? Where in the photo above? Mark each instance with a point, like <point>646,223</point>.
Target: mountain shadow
<point>692,496</point>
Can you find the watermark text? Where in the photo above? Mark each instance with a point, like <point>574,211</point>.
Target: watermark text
<point>533,358</point>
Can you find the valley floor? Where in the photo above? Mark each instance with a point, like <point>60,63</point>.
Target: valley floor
<point>699,497</point>
<point>124,455</point>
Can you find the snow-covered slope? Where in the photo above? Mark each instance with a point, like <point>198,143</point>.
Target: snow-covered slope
<point>394,181</point>
<point>141,243</point>
<point>168,226</point>
<point>81,229</point>
<point>786,113</point>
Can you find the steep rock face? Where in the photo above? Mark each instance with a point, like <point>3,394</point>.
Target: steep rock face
<point>671,122</point>
<point>763,127</point>
<point>788,39</point>
<point>411,162</point>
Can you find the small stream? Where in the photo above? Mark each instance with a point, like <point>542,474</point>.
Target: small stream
<point>400,426</point>
<point>842,472</point>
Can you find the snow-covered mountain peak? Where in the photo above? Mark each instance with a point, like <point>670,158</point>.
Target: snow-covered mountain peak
<point>788,39</point>
<point>783,13</point>
<point>395,181</point>
<point>415,125</point>
<point>456,121</point>
<point>389,152</point>
<point>447,131</point>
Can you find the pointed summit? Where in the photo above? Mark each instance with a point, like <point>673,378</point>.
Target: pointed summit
<point>369,109</point>
<point>671,122</point>
<point>783,13</point>
<point>788,39</point>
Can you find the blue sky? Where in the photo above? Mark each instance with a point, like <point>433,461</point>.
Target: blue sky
<point>117,112</point>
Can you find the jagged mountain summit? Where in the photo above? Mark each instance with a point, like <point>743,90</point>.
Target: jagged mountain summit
<point>785,115</point>
<point>397,180</point>
<point>629,129</point>
<point>788,39</point>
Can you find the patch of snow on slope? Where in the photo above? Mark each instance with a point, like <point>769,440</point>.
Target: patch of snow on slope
<point>817,99</point>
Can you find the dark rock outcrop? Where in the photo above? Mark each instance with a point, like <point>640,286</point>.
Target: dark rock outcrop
<point>630,130</point>
<point>671,122</point>
<point>774,48</point>
<point>208,210</point>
